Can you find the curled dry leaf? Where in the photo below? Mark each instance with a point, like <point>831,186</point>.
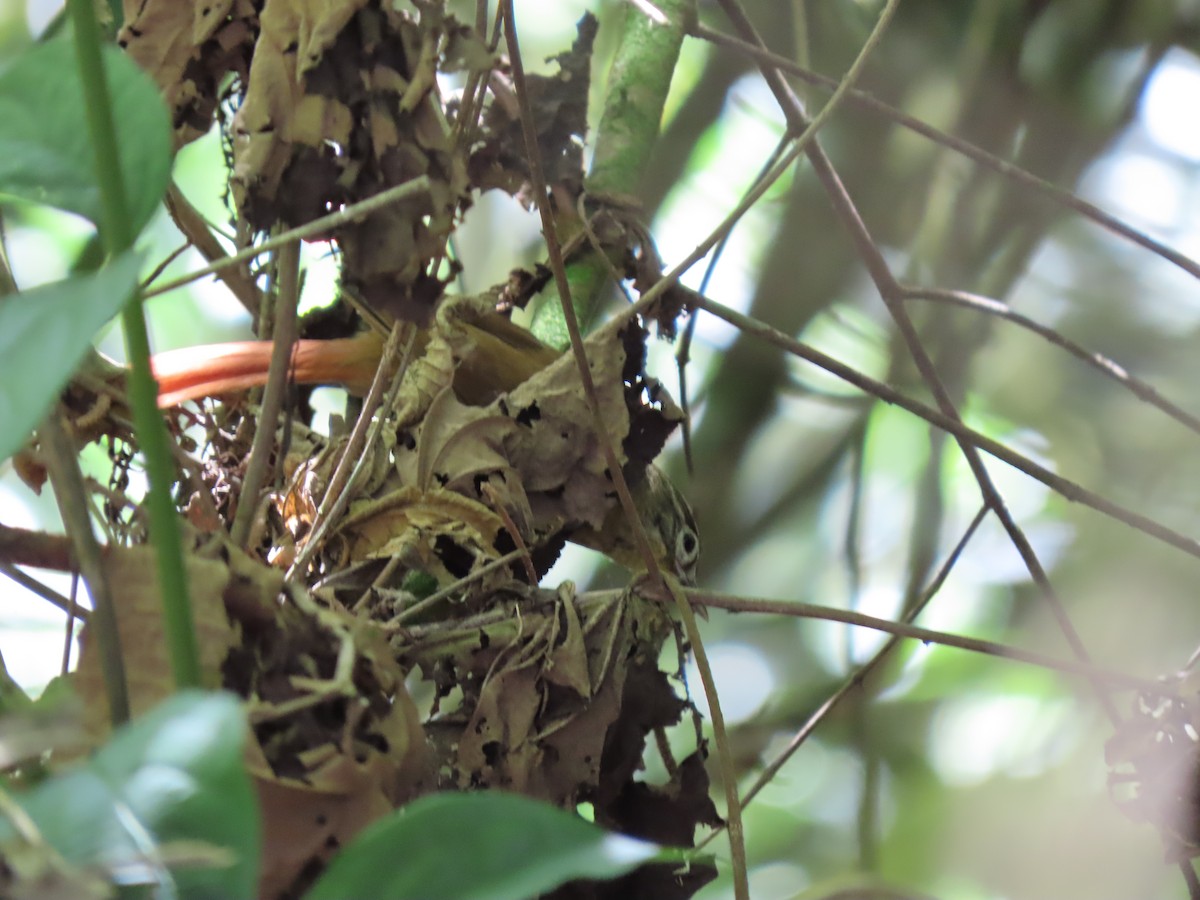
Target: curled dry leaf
<point>536,445</point>
<point>342,104</point>
<point>189,49</point>
<point>438,532</point>
<point>540,692</point>
<point>279,117</point>
<point>473,348</point>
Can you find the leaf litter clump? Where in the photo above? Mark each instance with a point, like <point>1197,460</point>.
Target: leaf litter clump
<point>384,620</point>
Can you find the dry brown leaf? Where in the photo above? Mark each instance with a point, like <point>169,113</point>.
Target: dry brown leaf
<point>555,449</point>
<point>533,452</point>
<point>559,106</point>
<point>303,823</point>
<point>133,571</point>
<point>496,749</point>
<point>413,525</point>
<point>341,103</point>
<point>189,48</point>
<point>546,697</point>
<point>335,747</point>
<point>567,662</point>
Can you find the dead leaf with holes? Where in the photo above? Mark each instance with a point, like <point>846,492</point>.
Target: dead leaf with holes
<point>189,49</point>
<point>538,444</point>
<point>342,104</point>
<point>347,784</point>
<point>559,105</point>
<point>540,695</point>
<point>438,532</point>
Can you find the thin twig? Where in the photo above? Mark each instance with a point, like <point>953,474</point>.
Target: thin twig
<point>1101,363</point>
<point>282,350</point>
<point>69,493</point>
<point>858,677</point>
<point>417,637</point>
<point>1002,167</point>
<point>636,527</point>
<point>1064,486</point>
<point>189,221</point>
<point>682,354</point>
<point>796,609</point>
<point>353,213</point>
<point>47,593</point>
<point>557,266</point>
<point>400,342</point>
<point>69,633</point>
<point>162,265</point>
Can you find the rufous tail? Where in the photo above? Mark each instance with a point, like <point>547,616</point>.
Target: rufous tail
<point>206,371</point>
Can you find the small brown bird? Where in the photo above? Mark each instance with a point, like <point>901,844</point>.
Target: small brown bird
<point>506,355</point>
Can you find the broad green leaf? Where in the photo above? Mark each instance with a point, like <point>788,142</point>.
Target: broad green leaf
<point>45,151</point>
<point>44,334</point>
<point>482,846</point>
<point>172,781</point>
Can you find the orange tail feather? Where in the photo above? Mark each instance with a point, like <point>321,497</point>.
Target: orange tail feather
<point>194,372</point>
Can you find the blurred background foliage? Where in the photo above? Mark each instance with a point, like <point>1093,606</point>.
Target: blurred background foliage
<point>948,774</point>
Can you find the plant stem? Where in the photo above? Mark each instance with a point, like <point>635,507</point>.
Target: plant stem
<point>71,497</point>
<point>117,235</point>
<point>638,82</point>
<point>287,299</point>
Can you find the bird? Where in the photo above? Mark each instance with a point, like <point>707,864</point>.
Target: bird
<point>505,355</point>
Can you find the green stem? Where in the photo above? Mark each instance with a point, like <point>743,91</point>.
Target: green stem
<point>638,82</point>
<point>118,236</point>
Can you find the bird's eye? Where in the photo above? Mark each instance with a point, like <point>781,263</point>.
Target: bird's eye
<point>687,547</point>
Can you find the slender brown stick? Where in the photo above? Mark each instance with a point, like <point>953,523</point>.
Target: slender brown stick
<point>796,609</point>
<point>859,676</point>
<point>1064,486</point>
<point>1098,361</point>
<point>399,344</point>
<point>189,221</point>
<point>360,210</point>
<point>70,495</point>
<point>263,446</point>
<point>636,526</point>
<point>558,267</point>
<point>47,593</point>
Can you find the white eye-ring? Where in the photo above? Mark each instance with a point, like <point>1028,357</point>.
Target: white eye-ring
<point>687,551</point>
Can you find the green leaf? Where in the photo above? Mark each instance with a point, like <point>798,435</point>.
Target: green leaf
<point>44,334</point>
<point>12,696</point>
<point>45,153</point>
<point>171,783</point>
<point>483,846</point>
